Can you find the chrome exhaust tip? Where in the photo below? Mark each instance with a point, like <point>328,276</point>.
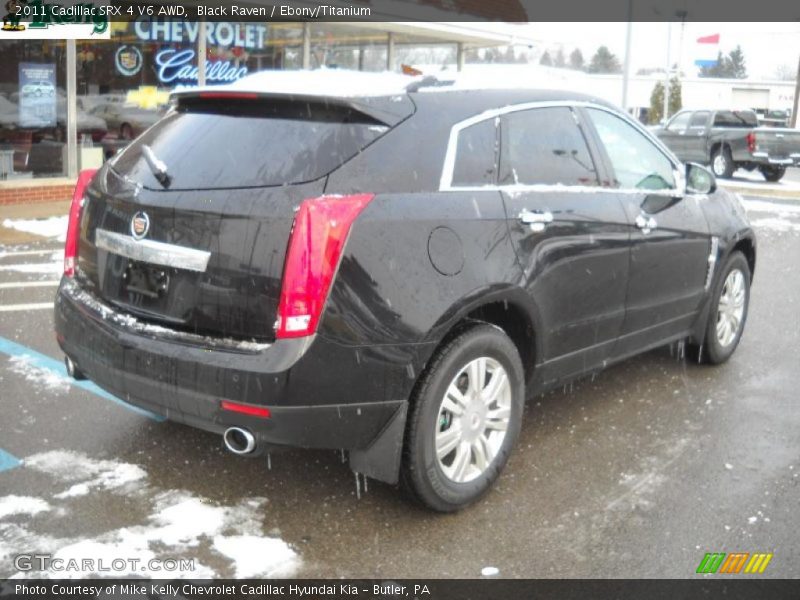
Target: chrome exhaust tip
<point>72,369</point>
<point>239,441</point>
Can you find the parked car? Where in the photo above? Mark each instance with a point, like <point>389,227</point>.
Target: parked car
<point>124,120</point>
<point>38,88</point>
<point>390,269</point>
<point>729,140</point>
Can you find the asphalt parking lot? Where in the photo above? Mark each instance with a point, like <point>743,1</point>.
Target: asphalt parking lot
<point>636,473</point>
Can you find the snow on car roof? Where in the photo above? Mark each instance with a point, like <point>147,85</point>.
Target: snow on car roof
<point>341,83</point>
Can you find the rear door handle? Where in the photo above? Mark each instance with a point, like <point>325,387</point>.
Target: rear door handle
<point>646,224</point>
<point>538,220</point>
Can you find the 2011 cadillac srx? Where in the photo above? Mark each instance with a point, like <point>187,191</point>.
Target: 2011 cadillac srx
<point>390,269</point>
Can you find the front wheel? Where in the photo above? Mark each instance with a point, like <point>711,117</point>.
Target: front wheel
<point>729,305</point>
<point>773,174</point>
<point>722,163</point>
<point>465,418</point>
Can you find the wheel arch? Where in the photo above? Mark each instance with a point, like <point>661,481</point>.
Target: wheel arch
<point>508,308</point>
<point>748,248</point>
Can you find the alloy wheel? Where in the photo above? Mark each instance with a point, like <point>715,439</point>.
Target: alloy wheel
<point>473,419</point>
<point>731,308</point>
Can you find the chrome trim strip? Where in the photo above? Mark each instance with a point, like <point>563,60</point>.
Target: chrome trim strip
<point>157,253</point>
<point>712,262</point>
<point>446,179</point>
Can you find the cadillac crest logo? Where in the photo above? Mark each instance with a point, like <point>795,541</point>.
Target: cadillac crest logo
<point>140,225</point>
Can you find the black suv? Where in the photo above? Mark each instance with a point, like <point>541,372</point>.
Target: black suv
<point>392,269</point>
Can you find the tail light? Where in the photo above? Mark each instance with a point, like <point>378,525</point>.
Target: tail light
<point>315,247</point>
<point>71,245</point>
<point>751,141</point>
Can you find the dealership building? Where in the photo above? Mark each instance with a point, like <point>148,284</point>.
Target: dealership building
<point>66,105</point>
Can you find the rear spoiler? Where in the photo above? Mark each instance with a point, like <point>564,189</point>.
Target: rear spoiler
<point>389,110</point>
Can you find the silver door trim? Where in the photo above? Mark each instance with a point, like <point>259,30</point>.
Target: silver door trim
<point>149,251</point>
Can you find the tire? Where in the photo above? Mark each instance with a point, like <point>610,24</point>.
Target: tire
<point>719,348</point>
<point>445,483</point>
<point>773,174</point>
<point>722,163</point>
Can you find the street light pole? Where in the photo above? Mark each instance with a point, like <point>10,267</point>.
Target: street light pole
<point>796,96</point>
<point>666,70</point>
<point>626,69</point>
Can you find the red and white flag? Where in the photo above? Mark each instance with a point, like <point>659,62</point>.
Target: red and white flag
<point>707,50</point>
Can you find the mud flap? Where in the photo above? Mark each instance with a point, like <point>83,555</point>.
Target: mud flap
<point>381,460</point>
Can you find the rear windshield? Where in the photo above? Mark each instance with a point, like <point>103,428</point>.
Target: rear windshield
<point>212,144</point>
<point>735,118</point>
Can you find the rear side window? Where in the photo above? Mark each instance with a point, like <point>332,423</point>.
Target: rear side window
<point>544,146</point>
<point>679,122</point>
<point>228,143</point>
<point>699,120</point>
<point>476,155</point>
<point>735,118</point>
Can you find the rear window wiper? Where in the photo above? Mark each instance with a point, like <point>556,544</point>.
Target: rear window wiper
<point>157,166</point>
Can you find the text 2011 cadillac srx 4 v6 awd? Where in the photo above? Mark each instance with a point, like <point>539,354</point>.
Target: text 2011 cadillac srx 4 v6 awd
<point>390,266</point>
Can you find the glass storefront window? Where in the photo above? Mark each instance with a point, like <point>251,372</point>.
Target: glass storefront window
<point>125,81</point>
<point>33,109</point>
<point>347,47</point>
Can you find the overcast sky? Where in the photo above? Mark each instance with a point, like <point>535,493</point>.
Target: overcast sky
<point>766,46</point>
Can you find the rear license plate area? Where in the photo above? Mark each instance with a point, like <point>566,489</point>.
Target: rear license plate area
<point>148,280</point>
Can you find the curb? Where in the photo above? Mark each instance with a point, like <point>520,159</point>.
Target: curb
<point>764,193</point>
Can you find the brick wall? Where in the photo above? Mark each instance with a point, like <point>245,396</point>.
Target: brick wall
<point>29,194</point>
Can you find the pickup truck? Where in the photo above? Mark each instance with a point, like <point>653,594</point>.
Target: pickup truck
<point>731,139</point>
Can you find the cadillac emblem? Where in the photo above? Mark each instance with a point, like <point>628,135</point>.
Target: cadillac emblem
<point>140,225</point>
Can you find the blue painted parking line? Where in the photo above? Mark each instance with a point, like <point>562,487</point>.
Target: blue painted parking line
<point>41,361</point>
<point>8,461</point>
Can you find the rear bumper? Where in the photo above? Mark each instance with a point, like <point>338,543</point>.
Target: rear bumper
<point>763,158</point>
<point>320,394</point>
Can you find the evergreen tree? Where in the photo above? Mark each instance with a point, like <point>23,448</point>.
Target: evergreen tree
<point>546,60</point>
<point>604,61</point>
<point>576,59</point>
<point>656,112</point>
<point>560,60</point>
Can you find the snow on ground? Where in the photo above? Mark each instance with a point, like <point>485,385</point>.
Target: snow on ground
<point>784,217</point>
<point>55,267</point>
<point>22,505</point>
<point>89,473</point>
<point>177,525</point>
<point>52,227</point>
<point>39,377</point>
<point>781,208</point>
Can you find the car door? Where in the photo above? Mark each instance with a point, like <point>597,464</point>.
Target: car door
<point>670,241</point>
<point>674,134</point>
<point>696,138</point>
<point>570,235</point>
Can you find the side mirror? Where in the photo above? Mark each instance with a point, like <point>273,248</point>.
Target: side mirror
<point>699,180</point>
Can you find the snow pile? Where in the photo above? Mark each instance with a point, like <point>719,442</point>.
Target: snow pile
<point>39,377</point>
<point>22,505</point>
<point>53,227</point>
<point>341,83</point>
<point>178,525</point>
<point>88,472</point>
